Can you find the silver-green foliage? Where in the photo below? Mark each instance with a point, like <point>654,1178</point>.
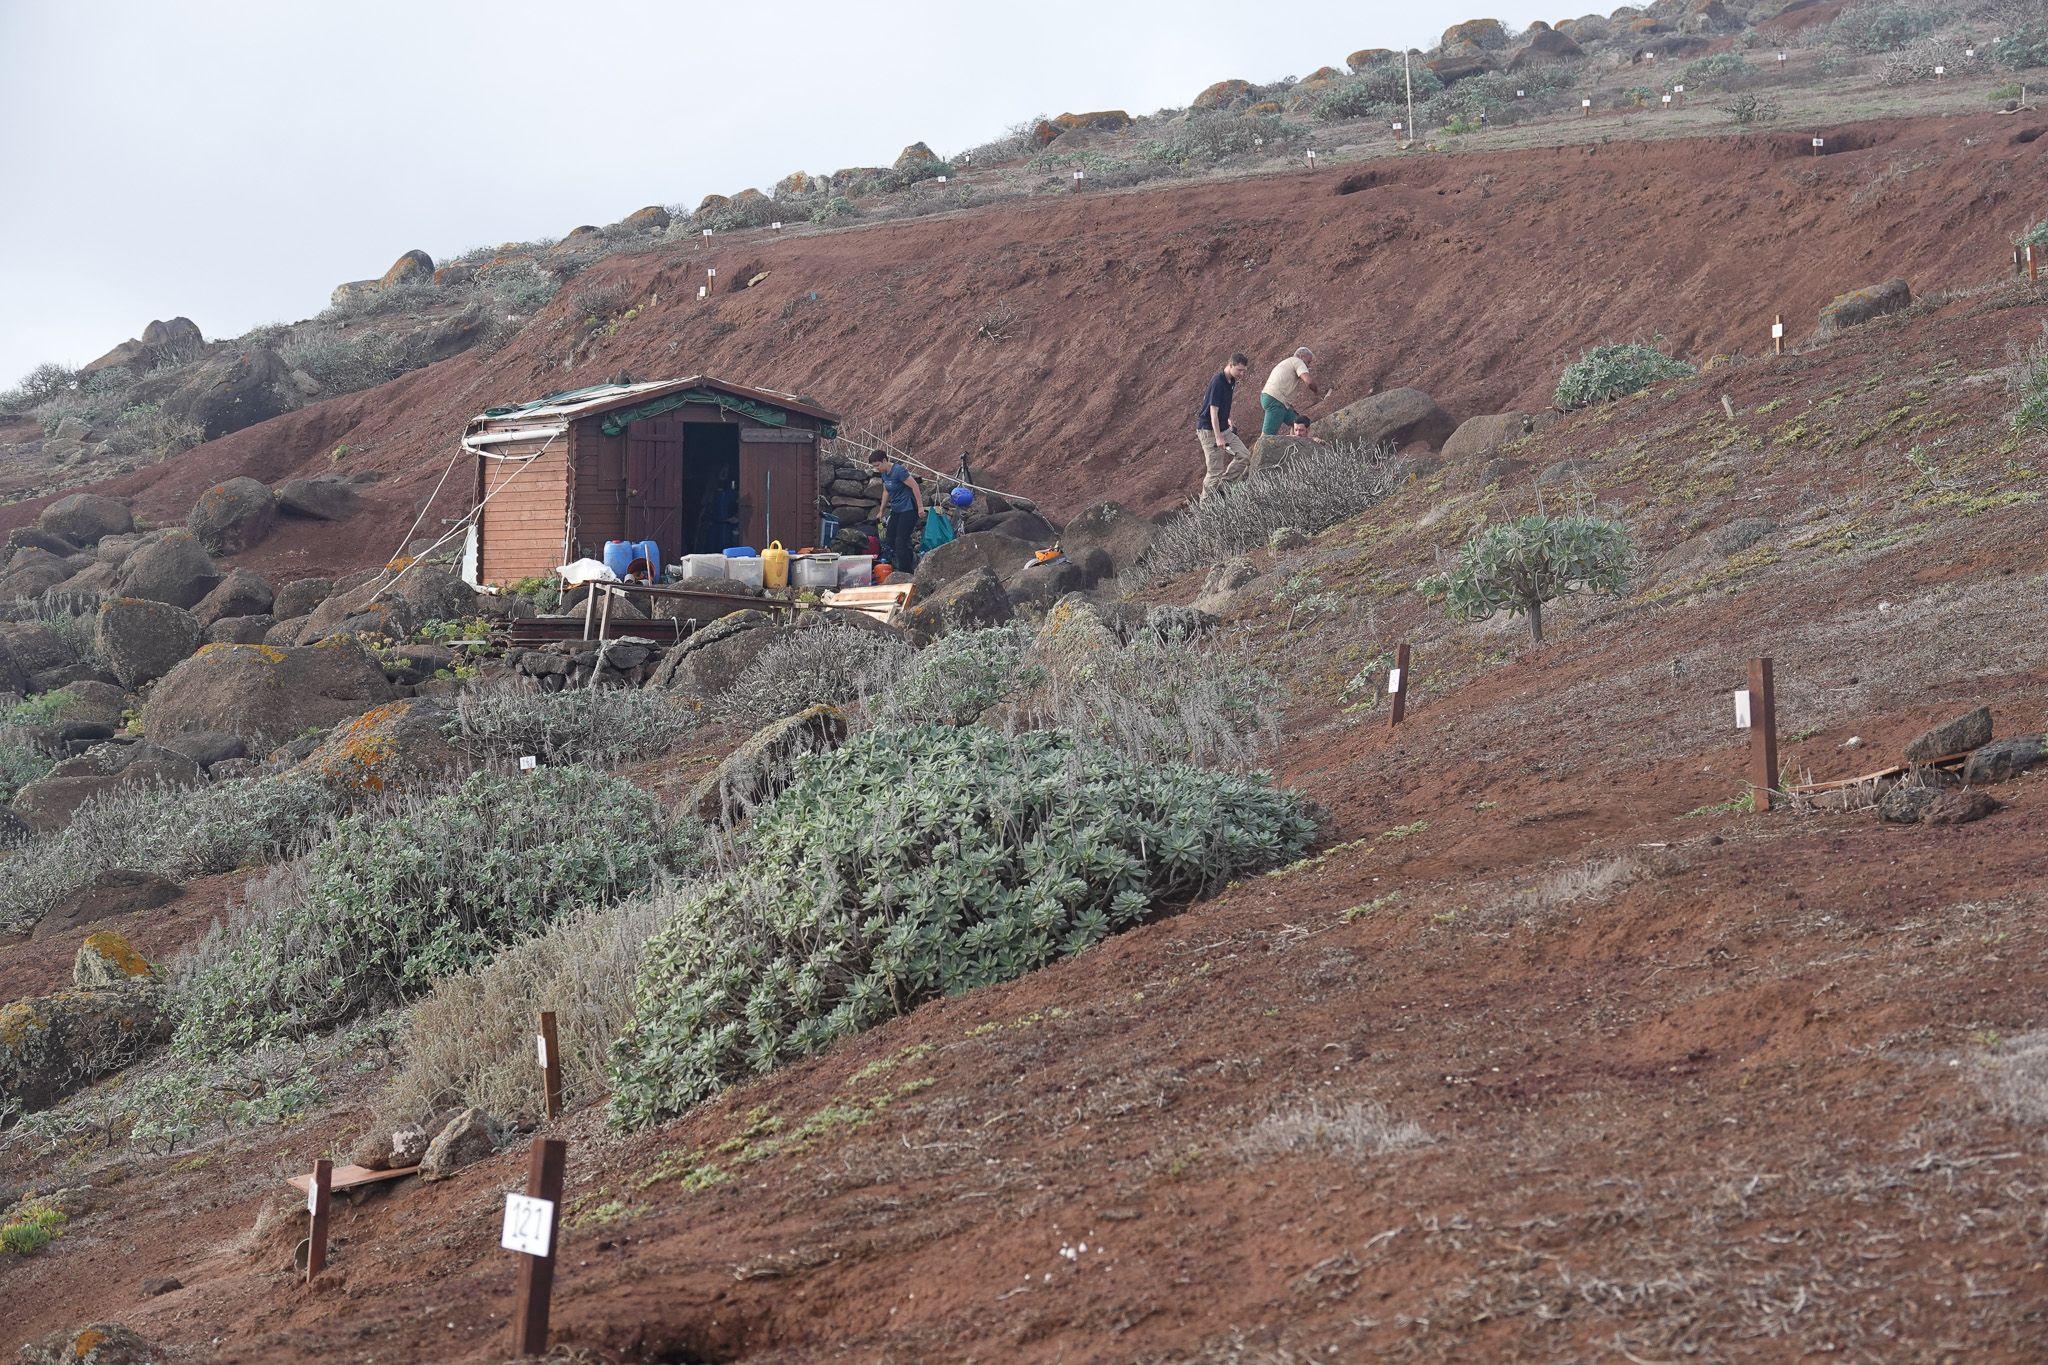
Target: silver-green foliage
<point>1519,566</point>
<point>1317,487</point>
<point>920,862</point>
<point>2030,383</point>
<point>396,899</point>
<point>829,665</point>
<point>1609,372</point>
<point>959,678</point>
<point>591,725</point>
<point>174,833</point>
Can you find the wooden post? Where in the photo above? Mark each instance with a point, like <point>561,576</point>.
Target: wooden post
<point>550,1066</point>
<point>537,1270</point>
<point>1763,734</point>
<point>317,1198</point>
<point>1778,334</point>
<point>1397,685</point>
<point>589,606</point>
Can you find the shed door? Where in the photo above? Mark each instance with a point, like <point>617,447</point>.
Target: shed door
<point>780,504</point>
<point>654,483</point>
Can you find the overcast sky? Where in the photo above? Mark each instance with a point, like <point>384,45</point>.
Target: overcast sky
<point>234,160</point>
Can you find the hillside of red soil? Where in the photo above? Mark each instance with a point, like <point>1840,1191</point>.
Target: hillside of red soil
<point>1685,1082</point>
<point>1475,277</point>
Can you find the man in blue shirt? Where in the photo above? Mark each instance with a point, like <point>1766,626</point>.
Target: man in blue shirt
<point>901,514</point>
<point>1223,454</point>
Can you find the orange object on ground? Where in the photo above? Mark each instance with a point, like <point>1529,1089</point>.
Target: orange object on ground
<point>882,572</point>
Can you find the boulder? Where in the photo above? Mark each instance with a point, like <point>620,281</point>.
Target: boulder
<point>398,744</point>
<point>1484,435</point>
<point>392,1149</point>
<point>115,549</point>
<point>108,959</point>
<point>1287,538</point>
<point>229,392</point>
<point>1907,804</point>
<point>241,630</point>
<point>1475,35</point>
<point>1277,451</point>
<point>1020,524</point>
<point>654,218</point>
<point>174,569</point>
<point>122,891</point>
<point>1095,121</point>
<point>1398,418</point>
<point>95,580</point>
<point>1971,730</point>
<point>393,606</point>
<point>1451,70</point>
<point>1224,95</point>
<point>298,597</point>
<point>233,516</point>
<point>51,1045</point>
<point>761,767</point>
<point>1860,306</point>
<point>2006,758</point>
<point>973,600</point>
<point>81,707</point>
<point>414,267</point>
<point>241,593</point>
<point>349,291</point>
<point>1543,45</point>
<point>142,640</point>
<point>469,1137</point>
<point>264,695</point>
<point>324,499</point>
<point>32,572</point>
<point>670,673</point>
<point>99,1343</point>
<point>207,747</point>
<point>1005,555</point>
<point>1368,57</point>
<point>915,158</point>
<point>1225,580</point>
<point>34,537</point>
<point>47,804</point>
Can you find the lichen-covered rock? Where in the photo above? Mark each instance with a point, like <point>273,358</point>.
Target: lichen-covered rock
<point>1095,121</point>
<point>916,157</point>
<point>86,518</point>
<point>1003,555</point>
<point>31,572</point>
<point>1908,804</point>
<point>654,218</point>
<point>2006,758</point>
<point>241,593</point>
<point>174,568</point>
<point>52,1044</point>
<point>48,803</point>
<point>1484,435</point>
<point>468,1138</point>
<point>1224,95</point>
<point>414,267</point>
<point>101,1343</point>
<point>1368,57</point>
<point>390,746</point>
<point>1541,45</point>
<point>322,499</point>
<point>143,640</point>
<point>1482,35</point>
<point>232,516</point>
<point>391,604</point>
<point>1859,306</point>
<point>762,767</point>
<point>264,695</point>
<point>974,600</point>
<point>298,597</point>
<point>108,959</point>
<point>1968,731</point>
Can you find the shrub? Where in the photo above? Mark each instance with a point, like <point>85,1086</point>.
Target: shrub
<point>833,209</point>
<point>1721,68</point>
<point>146,431</point>
<point>827,664</point>
<point>1877,28</point>
<point>1918,61</point>
<point>1019,140</point>
<point>958,678</point>
<point>916,863</point>
<point>173,833</point>
<point>188,1100</point>
<point>516,289</point>
<point>470,1041</point>
<point>594,725</point>
<point>1168,696</point>
<point>21,763</point>
<point>395,900</point>
<point>1377,90</point>
<point>2023,49</point>
<point>2030,383</point>
<point>1519,566</point>
<point>1315,490</point>
<point>1205,138</point>
<point>1750,107</point>
<point>46,381</point>
<point>2035,236</point>
<point>31,1225</point>
<point>345,360</point>
<point>1609,372</point>
<point>414,296</point>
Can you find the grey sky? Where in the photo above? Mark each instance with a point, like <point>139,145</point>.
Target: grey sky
<point>234,160</point>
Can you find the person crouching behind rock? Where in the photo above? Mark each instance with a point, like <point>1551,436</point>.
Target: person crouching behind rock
<point>901,515</point>
<point>1288,390</point>
<point>1224,456</point>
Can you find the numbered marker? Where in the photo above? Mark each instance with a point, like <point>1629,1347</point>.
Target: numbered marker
<point>776,226</point>
<point>967,156</point>
<point>711,272</point>
<point>707,232</point>
<point>1520,93</point>
<point>1393,681</point>
<point>540,1045</point>
<point>1586,104</point>
<point>1941,71</point>
<point>1781,56</point>
<point>1778,329</point>
<point>1397,127</point>
<point>1258,142</point>
<point>1678,90</point>
<point>1969,52</point>
<point>1311,158</point>
<point>550,1066</point>
<point>1742,709</point>
<point>529,1225</point>
<point>1819,143</point>
<point>1763,736</point>
<point>942,180</point>
<point>313,1196</point>
<point>702,291</point>
<point>1667,99</point>
<point>1078,174</point>
<point>527,763</point>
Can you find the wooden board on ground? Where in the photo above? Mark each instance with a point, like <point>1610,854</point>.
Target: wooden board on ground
<point>349,1177</point>
<point>1896,770</point>
<point>882,601</point>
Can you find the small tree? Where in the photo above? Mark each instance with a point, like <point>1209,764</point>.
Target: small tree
<point>1519,566</point>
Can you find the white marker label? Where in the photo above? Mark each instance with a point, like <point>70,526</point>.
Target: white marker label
<point>529,1225</point>
<point>702,291</point>
<point>711,271</point>
<point>1820,142</point>
<point>1678,90</point>
<point>1667,99</point>
<point>942,180</point>
<point>1777,330</point>
<point>1941,71</point>
<point>707,232</point>
<point>312,1195</point>
<point>1520,93</point>
<point>1742,709</point>
<point>776,225</point>
<point>1393,681</point>
<point>1969,52</point>
<point>540,1044</point>
<point>1077,175</point>
<point>1585,104</point>
<point>527,763</point>
<point>1781,56</point>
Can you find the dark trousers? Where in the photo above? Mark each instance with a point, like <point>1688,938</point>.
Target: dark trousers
<point>899,543</point>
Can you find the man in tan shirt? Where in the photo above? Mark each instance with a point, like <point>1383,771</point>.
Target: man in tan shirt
<point>1289,389</point>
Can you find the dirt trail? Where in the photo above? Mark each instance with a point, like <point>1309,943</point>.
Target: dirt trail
<point>1475,277</point>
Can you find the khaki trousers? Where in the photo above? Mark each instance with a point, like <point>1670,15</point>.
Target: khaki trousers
<point>1221,463</point>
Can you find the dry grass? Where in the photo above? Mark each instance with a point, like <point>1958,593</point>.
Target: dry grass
<point>2016,1078</point>
<point>1357,1130</point>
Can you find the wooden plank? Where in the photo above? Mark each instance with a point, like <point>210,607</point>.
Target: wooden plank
<point>349,1177</point>
<point>1835,784</point>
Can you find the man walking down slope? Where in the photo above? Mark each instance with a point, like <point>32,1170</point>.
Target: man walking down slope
<point>901,514</point>
<point>1288,390</point>
<point>1224,456</point>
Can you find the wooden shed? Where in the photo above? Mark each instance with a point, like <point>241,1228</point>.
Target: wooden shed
<point>694,465</point>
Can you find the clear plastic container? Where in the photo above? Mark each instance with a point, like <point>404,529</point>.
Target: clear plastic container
<point>856,571</point>
<point>747,570</point>
<point>698,568</point>
<point>815,572</point>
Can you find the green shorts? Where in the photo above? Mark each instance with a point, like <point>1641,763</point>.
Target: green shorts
<point>1278,415</point>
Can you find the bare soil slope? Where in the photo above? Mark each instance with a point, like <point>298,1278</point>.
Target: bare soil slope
<point>1064,344</point>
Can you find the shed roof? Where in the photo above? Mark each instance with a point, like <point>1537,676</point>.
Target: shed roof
<point>575,404</point>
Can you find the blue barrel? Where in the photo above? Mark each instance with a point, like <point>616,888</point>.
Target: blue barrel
<point>618,554</point>
<point>651,552</point>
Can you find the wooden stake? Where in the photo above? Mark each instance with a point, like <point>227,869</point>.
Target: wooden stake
<point>1397,685</point>
<point>1778,334</point>
<point>1763,735</point>
<point>550,1066</point>
<point>316,1201</point>
<point>537,1273</point>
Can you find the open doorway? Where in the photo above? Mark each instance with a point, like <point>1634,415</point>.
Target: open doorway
<point>711,514</point>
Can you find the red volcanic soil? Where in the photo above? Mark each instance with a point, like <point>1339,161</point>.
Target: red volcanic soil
<point>1475,277</point>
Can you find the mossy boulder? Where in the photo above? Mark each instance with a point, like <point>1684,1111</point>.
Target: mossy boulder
<point>52,1044</point>
<point>414,267</point>
<point>652,219</point>
<point>1859,306</point>
<point>233,516</point>
<point>86,518</point>
<point>108,959</point>
<point>764,765</point>
<point>1225,95</point>
<point>143,640</point>
<point>1095,121</point>
<point>1475,35</point>
<point>264,695</point>
<point>398,744</point>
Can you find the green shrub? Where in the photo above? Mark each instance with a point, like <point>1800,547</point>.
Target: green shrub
<point>1170,695</point>
<point>1378,90</point>
<point>174,833</point>
<point>46,381</point>
<point>1316,489</point>
<point>958,678</point>
<point>829,665</point>
<point>395,900</point>
<point>21,763</point>
<point>593,725</point>
<point>2005,94</point>
<point>1609,372</point>
<point>346,360</point>
<point>1519,566</point>
<point>31,1225</point>
<point>1721,68</point>
<point>836,207</point>
<point>1877,28</point>
<point>2023,49</point>
<point>1205,138</point>
<point>921,862</point>
<point>2030,383</point>
<point>188,1100</point>
<point>2035,236</point>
